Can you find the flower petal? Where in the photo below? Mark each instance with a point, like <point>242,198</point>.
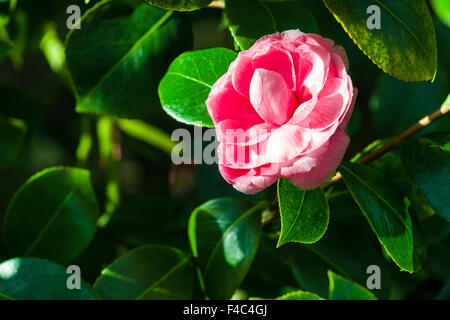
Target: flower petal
<point>249,181</point>
<point>270,97</point>
<point>326,161</point>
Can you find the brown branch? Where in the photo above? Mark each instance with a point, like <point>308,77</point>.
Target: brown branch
<point>217,5</point>
<point>422,123</point>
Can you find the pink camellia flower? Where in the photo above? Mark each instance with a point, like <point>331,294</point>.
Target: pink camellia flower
<point>281,111</point>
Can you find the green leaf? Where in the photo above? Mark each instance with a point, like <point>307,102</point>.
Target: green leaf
<point>224,235</point>
<point>428,167</point>
<point>53,215</point>
<point>150,272</point>
<point>119,55</point>
<point>12,134</point>
<point>348,248</point>
<point>38,279</point>
<point>304,214</point>
<point>343,289</point>
<point>251,19</point>
<point>300,295</point>
<point>442,9</point>
<point>409,101</point>
<point>386,213</point>
<point>186,85</point>
<point>404,46</point>
<point>180,5</point>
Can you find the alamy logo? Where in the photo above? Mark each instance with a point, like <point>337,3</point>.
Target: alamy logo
<point>73,21</point>
<point>374,20</point>
<point>374,281</point>
<point>74,280</point>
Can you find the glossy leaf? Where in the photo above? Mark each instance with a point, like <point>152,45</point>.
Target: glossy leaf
<point>150,272</point>
<point>53,215</point>
<point>405,44</point>
<point>300,295</point>
<point>180,5</point>
<point>304,214</point>
<point>186,85</point>
<point>348,248</point>
<point>343,289</point>
<point>118,57</point>
<point>386,213</point>
<point>251,19</point>
<point>12,133</point>
<point>428,166</point>
<point>39,279</point>
<point>442,9</point>
<point>224,235</point>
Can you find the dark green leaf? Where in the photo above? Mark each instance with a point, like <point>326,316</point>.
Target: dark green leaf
<point>404,46</point>
<point>5,47</point>
<point>251,19</point>
<point>304,214</point>
<point>119,55</point>
<point>186,85</point>
<point>428,166</point>
<point>53,215</point>
<point>269,260</point>
<point>12,133</point>
<point>180,5</point>
<point>38,279</point>
<point>343,289</point>
<point>150,272</point>
<point>155,220</point>
<point>438,260</point>
<point>444,294</point>
<point>409,101</point>
<point>386,213</point>
<point>224,235</point>
<point>348,248</point>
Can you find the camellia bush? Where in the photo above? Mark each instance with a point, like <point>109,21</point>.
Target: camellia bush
<point>238,149</point>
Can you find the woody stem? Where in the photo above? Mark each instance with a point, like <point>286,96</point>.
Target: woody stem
<point>422,123</point>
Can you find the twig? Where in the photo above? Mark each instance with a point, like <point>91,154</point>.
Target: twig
<point>422,123</point>
<point>217,5</point>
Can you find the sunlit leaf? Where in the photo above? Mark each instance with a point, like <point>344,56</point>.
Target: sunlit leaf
<point>180,5</point>
<point>405,44</point>
<point>304,214</point>
<point>38,279</point>
<point>343,289</point>
<point>186,85</point>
